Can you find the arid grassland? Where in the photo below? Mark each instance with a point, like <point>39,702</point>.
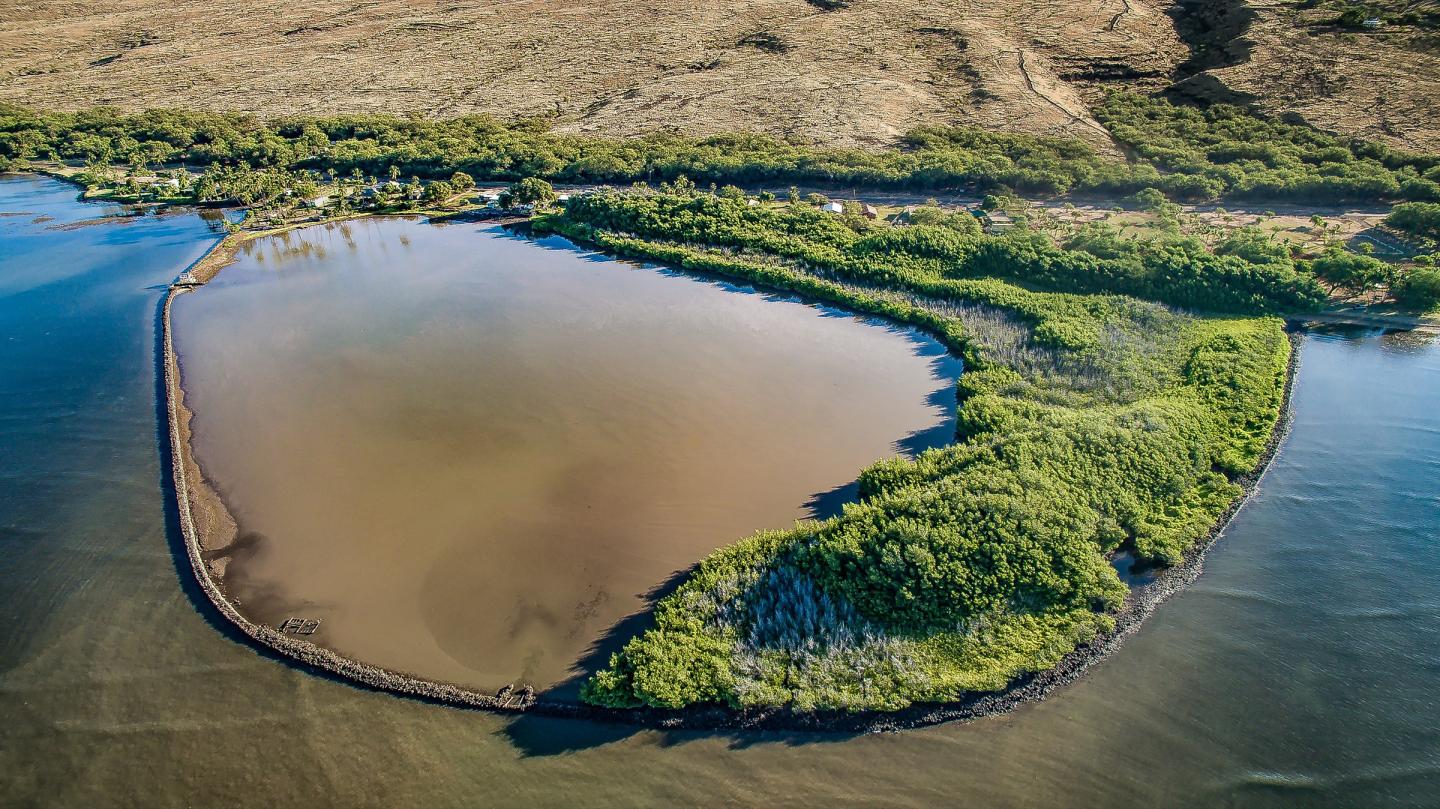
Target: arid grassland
<point>1319,60</point>
<point>863,73</point>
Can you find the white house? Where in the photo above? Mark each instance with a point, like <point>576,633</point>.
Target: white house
<point>832,207</point>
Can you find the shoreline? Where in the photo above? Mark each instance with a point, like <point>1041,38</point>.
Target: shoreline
<point>207,528</point>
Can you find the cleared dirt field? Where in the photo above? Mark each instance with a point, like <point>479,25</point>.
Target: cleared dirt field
<point>861,74</point>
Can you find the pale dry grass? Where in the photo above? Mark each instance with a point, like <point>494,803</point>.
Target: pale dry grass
<point>861,75</point>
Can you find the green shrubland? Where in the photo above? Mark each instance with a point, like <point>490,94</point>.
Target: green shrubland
<point>1225,150</point>
<point>1417,219</point>
<point>1089,422</point>
<point>1184,152</point>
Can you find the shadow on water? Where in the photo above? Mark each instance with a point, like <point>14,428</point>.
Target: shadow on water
<point>535,735</point>
<point>542,737</point>
<point>597,655</point>
<point>827,504</point>
<point>943,364</point>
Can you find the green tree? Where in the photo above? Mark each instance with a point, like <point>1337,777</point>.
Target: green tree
<point>461,181</point>
<point>438,191</point>
<point>1420,288</point>
<point>529,191</point>
<point>1353,272</point>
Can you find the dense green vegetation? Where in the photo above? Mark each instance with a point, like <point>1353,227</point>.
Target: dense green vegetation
<point>1088,423</point>
<point>1181,151</point>
<point>1418,219</point>
<point>1420,288</point>
<point>1178,271</point>
<point>1225,150</point>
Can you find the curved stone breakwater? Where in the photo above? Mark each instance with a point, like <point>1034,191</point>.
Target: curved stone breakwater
<point>207,527</point>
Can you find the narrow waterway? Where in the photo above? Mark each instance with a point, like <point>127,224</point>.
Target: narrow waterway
<point>1302,669</point>
<point>470,456</point>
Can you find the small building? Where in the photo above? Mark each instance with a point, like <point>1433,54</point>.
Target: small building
<point>870,211</point>
<point>1372,22</point>
<point>833,207</point>
<point>321,201</point>
<point>997,221</point>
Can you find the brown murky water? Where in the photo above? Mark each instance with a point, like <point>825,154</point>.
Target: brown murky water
<point>470,456</point>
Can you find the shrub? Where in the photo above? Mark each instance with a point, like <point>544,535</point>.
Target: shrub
<point>1420,219</point>
<point>1420,288</point>
<point>1086,424</point>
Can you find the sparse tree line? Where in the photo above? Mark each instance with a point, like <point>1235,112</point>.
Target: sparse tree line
<point>1183,152</point>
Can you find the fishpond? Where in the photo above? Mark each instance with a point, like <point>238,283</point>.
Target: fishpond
<point>470,456</point>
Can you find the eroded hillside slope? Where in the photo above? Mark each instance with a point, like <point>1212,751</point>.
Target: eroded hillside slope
<point>861,72</point>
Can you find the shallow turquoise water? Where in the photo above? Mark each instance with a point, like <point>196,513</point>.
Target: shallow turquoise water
<point>1302,668</point>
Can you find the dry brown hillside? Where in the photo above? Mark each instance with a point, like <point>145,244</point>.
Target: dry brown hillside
<point>1382,83</point>
<point>860,74</point>
<point>832,71</point>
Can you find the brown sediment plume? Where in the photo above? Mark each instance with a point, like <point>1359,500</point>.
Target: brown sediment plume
<point>208,529</point>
